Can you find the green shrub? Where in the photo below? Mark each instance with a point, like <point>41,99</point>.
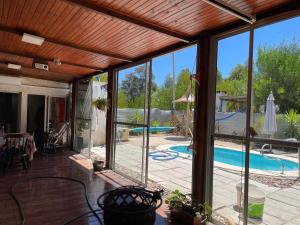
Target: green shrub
<point>136,117</point>
<point>155,123</point>
<point>167,124</point>
<point>292,119</point>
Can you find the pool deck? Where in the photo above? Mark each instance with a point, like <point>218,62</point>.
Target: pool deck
<point>282,204</point>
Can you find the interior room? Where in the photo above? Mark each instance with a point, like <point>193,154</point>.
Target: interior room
<point>131,112</point>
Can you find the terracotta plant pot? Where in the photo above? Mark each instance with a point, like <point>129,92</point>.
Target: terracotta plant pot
<point>182,217</point>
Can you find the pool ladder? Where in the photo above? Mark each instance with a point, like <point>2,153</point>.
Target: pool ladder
<point>271,158</point>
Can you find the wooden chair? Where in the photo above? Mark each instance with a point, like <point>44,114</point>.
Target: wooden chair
<point>13,152</point>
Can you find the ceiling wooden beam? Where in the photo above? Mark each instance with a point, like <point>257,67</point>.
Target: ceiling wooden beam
<point>129,19</point>
<point>28,55</point>
<point>67,44</point>
<point>36,72</point>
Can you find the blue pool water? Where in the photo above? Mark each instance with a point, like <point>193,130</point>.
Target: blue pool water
<point>152,129</point>
<point>236,158</point>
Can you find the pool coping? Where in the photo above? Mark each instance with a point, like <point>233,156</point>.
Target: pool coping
<point>225,166</point>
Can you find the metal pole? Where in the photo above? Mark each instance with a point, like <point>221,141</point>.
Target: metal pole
<point>149,71</point>
<point>174,86</point>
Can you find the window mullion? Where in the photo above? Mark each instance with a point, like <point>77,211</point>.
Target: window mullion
<point>248,123</point>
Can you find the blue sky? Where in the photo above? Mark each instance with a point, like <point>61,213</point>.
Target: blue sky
<point>234,50</point>
<point>231,51</point>
<point>162,66</point>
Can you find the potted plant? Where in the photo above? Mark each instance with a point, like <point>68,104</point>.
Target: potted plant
<point>101,104</point>
<point>185,211</point>
<point>98,164</point>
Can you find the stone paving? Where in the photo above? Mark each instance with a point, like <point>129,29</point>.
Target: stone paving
<point>282,206</point>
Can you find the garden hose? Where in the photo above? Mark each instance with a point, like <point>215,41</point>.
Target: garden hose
<point>21,213</point>
<point>82,215</point>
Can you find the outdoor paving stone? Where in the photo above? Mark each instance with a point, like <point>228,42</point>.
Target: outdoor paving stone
<point>272,220</point>
<point>296,220</point>
<point>285,199</point>
<point>282,206</point>
<point>279,210</point>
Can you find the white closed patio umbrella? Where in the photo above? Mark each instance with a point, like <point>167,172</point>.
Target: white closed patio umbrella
<point>270,125</point>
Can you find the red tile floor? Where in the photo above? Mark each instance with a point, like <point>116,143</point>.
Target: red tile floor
<point>53,202</point>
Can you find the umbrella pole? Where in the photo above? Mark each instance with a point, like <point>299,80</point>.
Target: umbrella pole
<point>186,121</point>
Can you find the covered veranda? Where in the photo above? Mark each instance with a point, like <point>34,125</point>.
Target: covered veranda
<point>55,49</point>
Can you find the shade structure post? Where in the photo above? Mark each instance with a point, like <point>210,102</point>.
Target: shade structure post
<point>201,135</point>
<point>109,117</point>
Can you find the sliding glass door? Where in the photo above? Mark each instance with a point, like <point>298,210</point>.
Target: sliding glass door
<point>131,121</point>
<point>83,117</point>
<point>256,151</point>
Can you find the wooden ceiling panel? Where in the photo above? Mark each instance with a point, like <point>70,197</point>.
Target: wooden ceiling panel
<point>257,6</point>
<point>27,63</point>
<point>13,43</point>
<point>91,33</point>
<point>69,69</point>
<point>7,58</point>
<point>37,74</point>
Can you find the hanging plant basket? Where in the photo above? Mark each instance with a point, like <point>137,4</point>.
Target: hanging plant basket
<point>101,104</point>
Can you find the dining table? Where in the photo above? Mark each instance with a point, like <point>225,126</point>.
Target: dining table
<point>24,141</point>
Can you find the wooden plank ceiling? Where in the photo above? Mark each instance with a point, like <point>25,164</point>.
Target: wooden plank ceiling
<point>87,41</point>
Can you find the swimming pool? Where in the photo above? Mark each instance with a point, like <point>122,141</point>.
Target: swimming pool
<point>236,158</point>
<point>152,129</point>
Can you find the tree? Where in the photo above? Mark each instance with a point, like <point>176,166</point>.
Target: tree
<point>219,77</point>
<point>240,72</point>
<point>134,85</point>
<point>236,83</point>
<point>133,89</point>
<point>278,70</point>
<point>162,98</point>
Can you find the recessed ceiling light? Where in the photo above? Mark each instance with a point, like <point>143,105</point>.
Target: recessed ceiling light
<point>14,66</point>
<point>32,39</point>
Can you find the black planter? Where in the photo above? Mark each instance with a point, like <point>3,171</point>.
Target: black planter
<point>129,206</point>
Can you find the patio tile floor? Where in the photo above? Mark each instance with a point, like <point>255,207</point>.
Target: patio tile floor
<point>281,207</point>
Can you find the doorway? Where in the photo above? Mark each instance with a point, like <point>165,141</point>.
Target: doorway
<point>9,111</point>
<point>36,117</point>
<point>131,123</point>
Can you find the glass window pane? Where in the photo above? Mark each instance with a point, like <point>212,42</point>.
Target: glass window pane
<point>83,117</point>
<point>274,188</point>
<point>130,154</point>
<point>171,120</point>
<point>231,85</point>
<point>276,81</point>
<point>131,95</point>
<point>228,180</point>
<point>98,136</point>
